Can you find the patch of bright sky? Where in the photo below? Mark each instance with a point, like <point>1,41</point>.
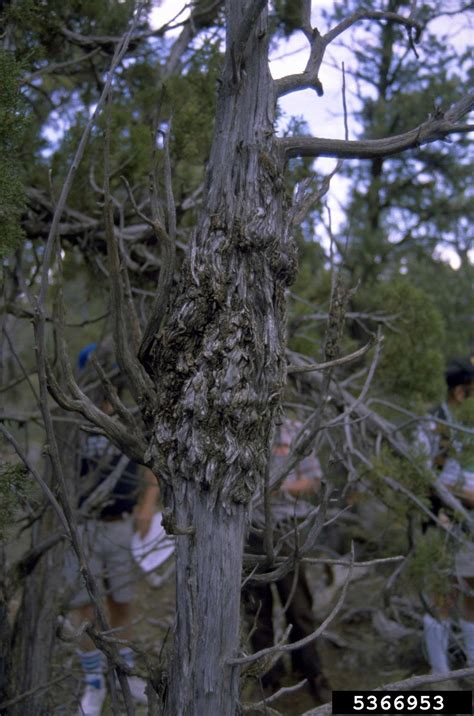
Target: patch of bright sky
<point>290,57</point>
<point>323,115</point>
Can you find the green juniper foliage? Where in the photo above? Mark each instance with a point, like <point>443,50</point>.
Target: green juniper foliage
<point>412,363</point>
<point>411,473</point>
<point>431,564</point>
<point>464,414</point>
<point>13,489</point>
<point>12,125</point>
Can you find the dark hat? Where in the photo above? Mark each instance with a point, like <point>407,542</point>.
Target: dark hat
<point>460,371</point>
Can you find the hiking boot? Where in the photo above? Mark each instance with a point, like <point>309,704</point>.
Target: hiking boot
<point>92,701</point>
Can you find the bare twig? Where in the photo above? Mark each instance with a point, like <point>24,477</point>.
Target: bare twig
<point>26,694</point>
<point>20,365</point>
<point>319,43</point>
<point>332,363</point>
<point>140,383</point>
<point>58,66</point>
<point>356,565</point>
<point>361,397</point>
<point>274,697</point>
<point>37,477</point>
<point>282,648</point>
<point>66,188</point>
<point>267,502</point>
<point>168,244</point>
<point>305,200</point>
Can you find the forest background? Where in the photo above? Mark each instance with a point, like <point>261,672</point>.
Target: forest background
<point>382,251</point>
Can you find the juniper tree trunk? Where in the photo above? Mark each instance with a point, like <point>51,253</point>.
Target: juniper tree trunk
<point>35,627</point>
<point>34,633</point>
<point>219,368</point>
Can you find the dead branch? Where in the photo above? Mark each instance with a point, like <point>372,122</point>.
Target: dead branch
<point>168,243</point>
<point>58,66</point>
<point>140,383</point>
<point>130,442</point>
<point>356,565</point>
<point>305,200</point>
<point>29,560</point>
<point>26,694</point>
<point>309,79</point>
<point>263,705</point>
<point>20,365</point>
<point>72,528</point>
<point>198,19</point>
<point>362,395</point>
<point>282,648</point>
<point>37,477</point>
<point>331,364</point>
<point>303,441</point>
<point>66,188</point>
<point>433,129</point>
<point>125,436</point>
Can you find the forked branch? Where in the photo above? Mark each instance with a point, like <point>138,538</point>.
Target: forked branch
<point>309,78</point>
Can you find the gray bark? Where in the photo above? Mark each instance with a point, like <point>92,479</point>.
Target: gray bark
<point>219,368</point>
<point>34,632</point>
<point>208,596</point>
<point>5,632</point>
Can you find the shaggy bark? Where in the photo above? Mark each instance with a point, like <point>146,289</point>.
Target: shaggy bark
<point>219,367</point>
<point>34,633</point>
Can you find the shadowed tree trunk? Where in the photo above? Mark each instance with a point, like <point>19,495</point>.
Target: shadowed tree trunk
<point>34,632</point>
<point>220,367</point>
<point>5,633</point>
<point>34,635</point>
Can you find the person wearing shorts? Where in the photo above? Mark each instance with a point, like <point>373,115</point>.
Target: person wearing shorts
<point>116,497</point>
<point>443,445</point>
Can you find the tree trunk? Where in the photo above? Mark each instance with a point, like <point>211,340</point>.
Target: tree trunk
<point>219,367</point>
<point>208,598</point>
<point>34,632</point>
<point>5,632</point>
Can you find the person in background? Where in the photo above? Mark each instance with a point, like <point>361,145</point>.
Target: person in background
<point>293,589</point>
<point>107,520</point>
<point>447,451</point>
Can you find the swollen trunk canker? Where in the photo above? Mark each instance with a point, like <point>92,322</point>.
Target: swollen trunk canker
<point>219,367</point>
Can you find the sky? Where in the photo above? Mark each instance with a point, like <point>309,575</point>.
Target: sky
<point>324,115</point>
<point>291,57</point>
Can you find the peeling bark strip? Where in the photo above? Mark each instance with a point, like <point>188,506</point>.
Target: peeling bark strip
<point>219,368</point>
